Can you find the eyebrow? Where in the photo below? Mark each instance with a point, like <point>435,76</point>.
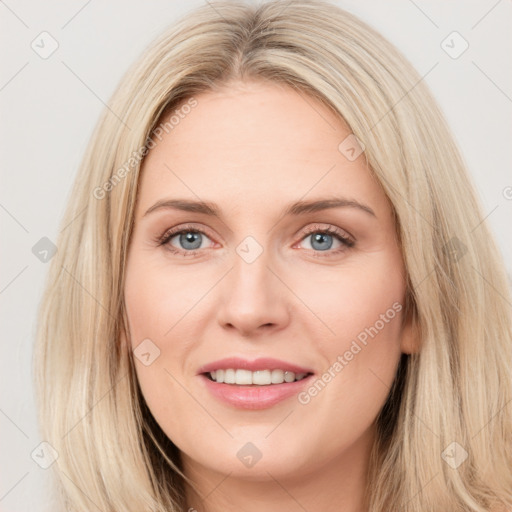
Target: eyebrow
<point>296,209</point>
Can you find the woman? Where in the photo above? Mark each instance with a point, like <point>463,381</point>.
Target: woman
<point>337,336</point>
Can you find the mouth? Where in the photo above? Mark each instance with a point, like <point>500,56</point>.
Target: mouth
<point>258,384</point>
<point>241,377</point>
<point>254,390</point>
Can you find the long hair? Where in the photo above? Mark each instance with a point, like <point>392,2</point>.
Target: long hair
<point>445,432</point>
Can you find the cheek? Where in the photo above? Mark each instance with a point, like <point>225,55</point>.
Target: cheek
<point>360,309</point>
<point>351,299</point>
<point>159,309</point>
<point>156,300</point>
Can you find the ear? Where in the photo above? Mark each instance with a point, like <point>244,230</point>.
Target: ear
<point>410,337</point>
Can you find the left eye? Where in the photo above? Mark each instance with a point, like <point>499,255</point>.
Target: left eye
<point>322,240</point>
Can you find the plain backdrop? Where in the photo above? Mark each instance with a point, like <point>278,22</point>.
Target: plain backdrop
<point>49,106</point>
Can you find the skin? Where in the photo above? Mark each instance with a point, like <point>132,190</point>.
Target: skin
<point>253,148</point>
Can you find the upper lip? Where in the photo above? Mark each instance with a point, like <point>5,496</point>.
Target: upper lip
<point>262,363</point>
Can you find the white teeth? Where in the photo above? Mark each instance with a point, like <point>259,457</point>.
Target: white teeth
<point>243,377</point>
<point>262,378</point>
<point>229,376</point>
<point>258,378</point>
<point>277,376</point>
<point>289,376</point>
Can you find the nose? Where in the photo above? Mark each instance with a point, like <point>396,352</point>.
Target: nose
<point>253,298</point>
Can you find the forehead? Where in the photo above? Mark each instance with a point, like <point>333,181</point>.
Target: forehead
<point>253,119</point>
<point>255,142</point>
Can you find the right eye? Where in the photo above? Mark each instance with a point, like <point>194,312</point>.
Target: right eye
<point>189,240</point>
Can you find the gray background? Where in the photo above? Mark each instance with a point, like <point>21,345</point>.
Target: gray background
<point>48,108</point>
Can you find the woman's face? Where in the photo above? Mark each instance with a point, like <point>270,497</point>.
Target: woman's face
<point>260,292</point>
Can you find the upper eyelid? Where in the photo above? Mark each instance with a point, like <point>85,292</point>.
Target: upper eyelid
<point>187,227</point>
<point>334,230</point>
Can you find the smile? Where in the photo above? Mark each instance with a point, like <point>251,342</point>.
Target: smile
<point>243,377</point>
<point>254,396</point>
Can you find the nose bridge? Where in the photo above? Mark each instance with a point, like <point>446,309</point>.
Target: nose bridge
<point>252,296</point>
<point>251,268</point>
<point>251,279</point>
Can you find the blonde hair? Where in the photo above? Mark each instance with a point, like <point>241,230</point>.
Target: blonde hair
<point>456,389</point>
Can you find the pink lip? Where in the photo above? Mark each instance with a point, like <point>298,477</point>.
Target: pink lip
<point>254,397</point>
<point>263,363</point>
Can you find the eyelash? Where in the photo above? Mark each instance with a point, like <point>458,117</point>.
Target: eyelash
<point>347,242</point>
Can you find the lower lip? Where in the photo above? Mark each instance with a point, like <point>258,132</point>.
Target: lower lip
<point>254,397</point>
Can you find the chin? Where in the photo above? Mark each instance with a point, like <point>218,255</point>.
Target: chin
<point>254,457</point>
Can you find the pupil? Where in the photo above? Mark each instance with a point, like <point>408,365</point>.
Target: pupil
<point>320,237</point>
<point>191,237</point>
